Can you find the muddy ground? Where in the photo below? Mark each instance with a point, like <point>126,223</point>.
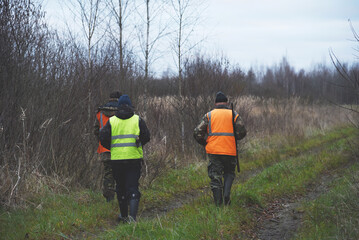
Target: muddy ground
<point>282,218</point>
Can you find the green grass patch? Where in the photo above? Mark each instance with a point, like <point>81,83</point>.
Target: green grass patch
<point>56,215</point>
<point>287,169</point>
<point>61,215</point>
<point>334,215</point>
<point>202,220</point>
<point>263,153</point>
<point>175,182</point>
<point>293,175</point>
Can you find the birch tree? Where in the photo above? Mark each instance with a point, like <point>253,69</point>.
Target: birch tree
<point>149,36</point>
<point>120,12</point>
<point>186,17</point>
<point>89,14</point>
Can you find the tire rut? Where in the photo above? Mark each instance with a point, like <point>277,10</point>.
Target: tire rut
<point>283,217</point>
<point>185,198</point>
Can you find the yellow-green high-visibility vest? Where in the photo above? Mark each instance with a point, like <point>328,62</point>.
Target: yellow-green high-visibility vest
<point>123,138</point>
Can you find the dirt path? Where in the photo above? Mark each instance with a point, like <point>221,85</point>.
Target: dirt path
<point>186,198</point>
<point>150,213</point>
<point>280,220</point>
<point>181,200</point>
<point>283,218</point>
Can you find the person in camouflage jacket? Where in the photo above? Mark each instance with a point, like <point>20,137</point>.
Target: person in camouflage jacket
<point>215,132</point>
<point>104,112</point>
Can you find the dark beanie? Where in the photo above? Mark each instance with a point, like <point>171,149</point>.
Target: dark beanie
<point>124,100</point>
<point>220,97</point>
<point>115,95</point>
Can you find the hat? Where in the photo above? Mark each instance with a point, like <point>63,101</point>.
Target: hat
<point>115,95</point>
<point>124,100</point>
<point>220,97</point>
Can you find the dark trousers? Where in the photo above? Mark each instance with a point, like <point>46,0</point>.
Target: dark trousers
<point>221,167</point>
<point>126,174</point>
<point>218,167</point>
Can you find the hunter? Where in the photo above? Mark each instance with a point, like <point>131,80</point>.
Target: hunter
<point>103,114</point>
<point>216,133</point>
<point>125,134</point>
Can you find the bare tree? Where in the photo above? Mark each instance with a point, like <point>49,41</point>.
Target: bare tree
<point>23,69</point>
<point>351,79</point>
<point>89,12</point>
<point>186,17</point>
<point>120,11</point>
<point>148,38</point>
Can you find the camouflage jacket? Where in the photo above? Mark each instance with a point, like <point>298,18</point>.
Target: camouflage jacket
<point>201,134</point>
<point>109,109</point>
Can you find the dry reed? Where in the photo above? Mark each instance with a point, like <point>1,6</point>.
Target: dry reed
<point>24,171</point>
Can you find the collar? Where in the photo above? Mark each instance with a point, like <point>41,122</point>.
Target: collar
<point>221,105</point>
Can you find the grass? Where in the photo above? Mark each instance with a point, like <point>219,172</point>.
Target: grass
<point>292,176</point>
<point>56,214</point>
<point>201,220</point>
<point>266,151</point>
<point>175,182</point>
<point>334,215</point>
<point>287,169</point>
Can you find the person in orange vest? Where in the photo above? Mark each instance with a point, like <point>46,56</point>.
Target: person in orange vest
<point>103,114</point>
<point>215,132</point>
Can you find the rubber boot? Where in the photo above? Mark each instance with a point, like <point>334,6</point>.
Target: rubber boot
<point>133,209</point>
<point>217,196</point>
<point>123,217</point>
<point>228,180</point>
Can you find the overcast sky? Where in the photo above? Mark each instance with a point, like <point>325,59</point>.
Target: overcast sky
<point>261,32</point>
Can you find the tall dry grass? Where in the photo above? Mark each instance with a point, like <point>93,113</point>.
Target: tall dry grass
<point>25,170</point>
<point>290,117</point>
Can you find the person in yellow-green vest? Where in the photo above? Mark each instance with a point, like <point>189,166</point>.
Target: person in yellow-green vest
<point>125,134</point>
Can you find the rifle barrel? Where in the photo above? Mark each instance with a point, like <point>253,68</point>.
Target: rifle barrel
<point>235,137</point>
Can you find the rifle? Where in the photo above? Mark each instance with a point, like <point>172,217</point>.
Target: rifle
<point>235,137</point>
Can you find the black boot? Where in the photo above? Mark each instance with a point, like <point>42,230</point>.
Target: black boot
<point>228,180</point>
<point>217,196</point>
<point>133,209</point>
<point>123,217</point>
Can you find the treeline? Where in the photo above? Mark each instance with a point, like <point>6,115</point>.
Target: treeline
<point>322,83</point>
<point>50,89</point>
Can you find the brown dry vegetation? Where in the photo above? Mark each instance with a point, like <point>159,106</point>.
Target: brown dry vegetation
<point>263,117</point>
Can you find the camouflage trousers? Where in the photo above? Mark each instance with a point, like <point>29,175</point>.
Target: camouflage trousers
<point>108,187</point>
<point>218,167</point>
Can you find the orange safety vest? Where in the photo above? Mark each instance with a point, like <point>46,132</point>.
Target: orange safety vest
<point>102,119</point>
<point>220,138</point>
